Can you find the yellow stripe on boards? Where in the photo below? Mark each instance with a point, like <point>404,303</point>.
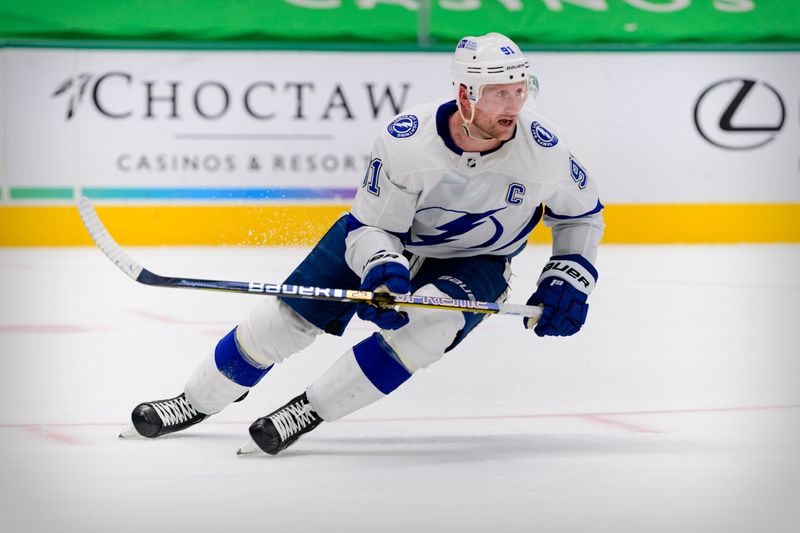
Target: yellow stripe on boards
<point>171,225</point>
<point>274,225</point>
<point>702,223</point>
<point>696,224</point>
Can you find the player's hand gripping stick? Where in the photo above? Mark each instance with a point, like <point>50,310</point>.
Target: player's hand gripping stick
<point>106,243</point>
<point>385,272</point>
<point>563,288</point>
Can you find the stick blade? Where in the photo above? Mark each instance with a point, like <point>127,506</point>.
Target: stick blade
<point>103,239</point>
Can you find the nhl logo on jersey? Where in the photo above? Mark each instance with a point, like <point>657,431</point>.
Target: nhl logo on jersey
<point>542,135</point>
<point>403,126</point>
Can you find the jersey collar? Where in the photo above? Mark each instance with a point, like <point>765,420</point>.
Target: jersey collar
<point>443,115</point>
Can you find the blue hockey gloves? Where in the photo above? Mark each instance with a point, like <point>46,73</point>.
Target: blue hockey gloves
<point>564,311</point>
<point>563,288</point>
<point>385,272</point>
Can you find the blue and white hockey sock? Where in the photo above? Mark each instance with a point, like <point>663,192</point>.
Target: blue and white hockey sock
<point>365,373</point>
<point>222,377</point>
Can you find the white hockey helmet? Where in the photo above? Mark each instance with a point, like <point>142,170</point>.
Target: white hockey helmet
<point>489,59</point>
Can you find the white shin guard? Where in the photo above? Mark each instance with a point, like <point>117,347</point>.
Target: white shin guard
<point>268,335</point>
<point>428,334</point>
<point>273,331</point>
<point>208,390</point>
<point>344,388</point>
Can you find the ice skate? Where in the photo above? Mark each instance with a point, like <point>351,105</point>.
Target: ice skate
<point>280,429</point>
<point>162,417</point>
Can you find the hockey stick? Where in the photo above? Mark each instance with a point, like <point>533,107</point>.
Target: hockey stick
<point>137,272</point>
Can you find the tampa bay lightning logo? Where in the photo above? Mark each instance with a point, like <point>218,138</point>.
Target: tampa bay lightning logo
<point>543,136</point>
<point>482,228</point>
<point>403,126</point>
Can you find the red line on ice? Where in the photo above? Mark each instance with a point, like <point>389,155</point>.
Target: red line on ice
<point>170,320</point>
<point>43,431</point>
<point>635,428</point>
<point>48,328</point>
<point>582,415</point>
<point>596,416</point>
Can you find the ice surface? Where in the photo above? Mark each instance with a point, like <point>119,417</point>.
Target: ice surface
<point>676,409</point>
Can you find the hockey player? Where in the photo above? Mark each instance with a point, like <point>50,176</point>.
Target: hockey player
<point>451,193</point>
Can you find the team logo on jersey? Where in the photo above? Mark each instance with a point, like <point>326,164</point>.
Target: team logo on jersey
<point>403,126</point>
<point>543,136</point>
<point>482,229</point>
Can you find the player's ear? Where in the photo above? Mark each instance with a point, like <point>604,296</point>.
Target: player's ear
<point>463,95</point>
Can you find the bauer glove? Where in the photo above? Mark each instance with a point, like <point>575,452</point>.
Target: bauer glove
<point>562,290</point>
<point>385,272</point>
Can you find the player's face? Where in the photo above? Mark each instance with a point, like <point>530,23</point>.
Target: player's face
<point>497,108</point>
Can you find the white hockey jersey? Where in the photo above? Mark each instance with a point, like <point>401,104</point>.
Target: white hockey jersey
<point>422,193</point>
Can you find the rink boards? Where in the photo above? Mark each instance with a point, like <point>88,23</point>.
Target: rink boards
<point>303,224</point>
<point>267,147</point>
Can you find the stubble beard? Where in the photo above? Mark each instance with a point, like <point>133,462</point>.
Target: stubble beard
<point>492,129</point>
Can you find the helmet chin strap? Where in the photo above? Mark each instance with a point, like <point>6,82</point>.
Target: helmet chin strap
<point>467,122</point>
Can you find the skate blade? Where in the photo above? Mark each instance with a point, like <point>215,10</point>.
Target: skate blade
<point>250,448</point>
<point>129,432</point>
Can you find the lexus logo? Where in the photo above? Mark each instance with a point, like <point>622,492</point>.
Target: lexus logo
<point>739,114</point>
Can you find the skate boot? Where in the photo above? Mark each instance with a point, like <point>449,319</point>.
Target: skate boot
<point>161,417</point>
<point>280,429</point>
